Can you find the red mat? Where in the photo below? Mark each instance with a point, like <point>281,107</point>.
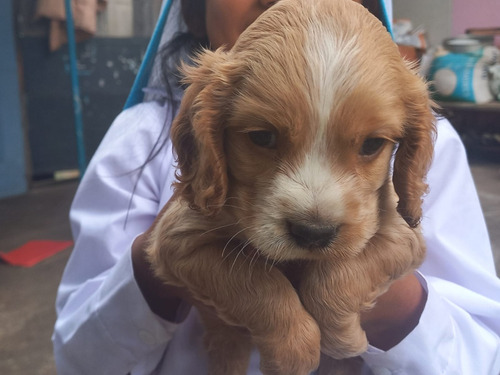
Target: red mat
<point>34,252</point>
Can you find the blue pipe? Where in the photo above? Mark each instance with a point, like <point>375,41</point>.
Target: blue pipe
<point>141,80</point>
<point>77,102</point>
<point>385,18</point>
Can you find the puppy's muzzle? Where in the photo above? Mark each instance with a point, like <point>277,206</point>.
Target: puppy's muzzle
<point>312,235</point>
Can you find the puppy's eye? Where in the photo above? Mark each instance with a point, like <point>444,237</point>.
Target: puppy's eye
<point>263,138</point>
<point>371,146</point>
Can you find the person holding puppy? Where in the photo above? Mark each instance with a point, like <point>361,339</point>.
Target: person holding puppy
<point>115,316</point>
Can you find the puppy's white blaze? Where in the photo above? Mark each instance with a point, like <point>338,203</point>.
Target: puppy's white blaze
<point>320,185</point>
<point>331,68</point>
<point>310,190</point>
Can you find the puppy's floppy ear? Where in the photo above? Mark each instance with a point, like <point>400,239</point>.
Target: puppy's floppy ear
<point>198,133</point>
<point>414,154</point>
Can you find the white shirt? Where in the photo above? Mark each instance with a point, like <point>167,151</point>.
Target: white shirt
<point>104,325</point>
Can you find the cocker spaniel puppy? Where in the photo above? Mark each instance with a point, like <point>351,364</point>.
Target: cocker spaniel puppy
<point>284,147</point>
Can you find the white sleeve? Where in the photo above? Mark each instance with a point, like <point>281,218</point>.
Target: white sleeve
<point>104,325</point>
<point>459,330</point>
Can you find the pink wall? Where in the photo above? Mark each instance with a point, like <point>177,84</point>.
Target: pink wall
<point>474,13</point>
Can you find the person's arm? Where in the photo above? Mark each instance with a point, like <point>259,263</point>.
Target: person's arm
<point>451,326</point>
<point>104,324</point>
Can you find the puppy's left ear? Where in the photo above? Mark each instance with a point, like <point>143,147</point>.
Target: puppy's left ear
<point>415,150</point>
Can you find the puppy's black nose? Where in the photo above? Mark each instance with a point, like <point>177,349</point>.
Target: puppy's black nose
<point>312,235</point>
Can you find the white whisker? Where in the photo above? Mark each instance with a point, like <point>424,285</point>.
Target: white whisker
<point>225,203</point>
<point>232,238</point>
<point>220,227</point>
<point>234,261</point>
<point>255,257</point>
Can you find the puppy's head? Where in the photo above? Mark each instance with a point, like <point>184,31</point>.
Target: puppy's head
<point>294,128</point>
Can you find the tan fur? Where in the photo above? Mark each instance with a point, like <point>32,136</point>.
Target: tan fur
<point>323,76</point>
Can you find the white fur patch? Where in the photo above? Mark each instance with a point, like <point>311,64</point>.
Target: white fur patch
<point>313,188</point>
<point>331,69</point>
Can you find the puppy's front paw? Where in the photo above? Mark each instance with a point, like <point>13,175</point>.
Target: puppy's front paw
<point>296,353</point>
<point>346,340</point>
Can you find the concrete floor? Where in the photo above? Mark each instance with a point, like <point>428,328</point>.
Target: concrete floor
<point>27,294</point>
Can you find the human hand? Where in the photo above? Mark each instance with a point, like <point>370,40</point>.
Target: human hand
<point>395,314</point>
<point>164,300</point>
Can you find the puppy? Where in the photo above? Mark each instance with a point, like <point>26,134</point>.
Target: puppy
<point>287,219</point>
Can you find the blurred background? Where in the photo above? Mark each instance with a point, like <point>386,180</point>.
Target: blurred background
<point>454,42</point>
<point>113,37</point>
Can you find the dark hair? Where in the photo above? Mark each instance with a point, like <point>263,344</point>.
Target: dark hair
<point>374,7</point>
<point>193,13</point>
<point>184,44</point>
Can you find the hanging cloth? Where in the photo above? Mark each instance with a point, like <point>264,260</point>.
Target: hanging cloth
<point>84,15</point>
